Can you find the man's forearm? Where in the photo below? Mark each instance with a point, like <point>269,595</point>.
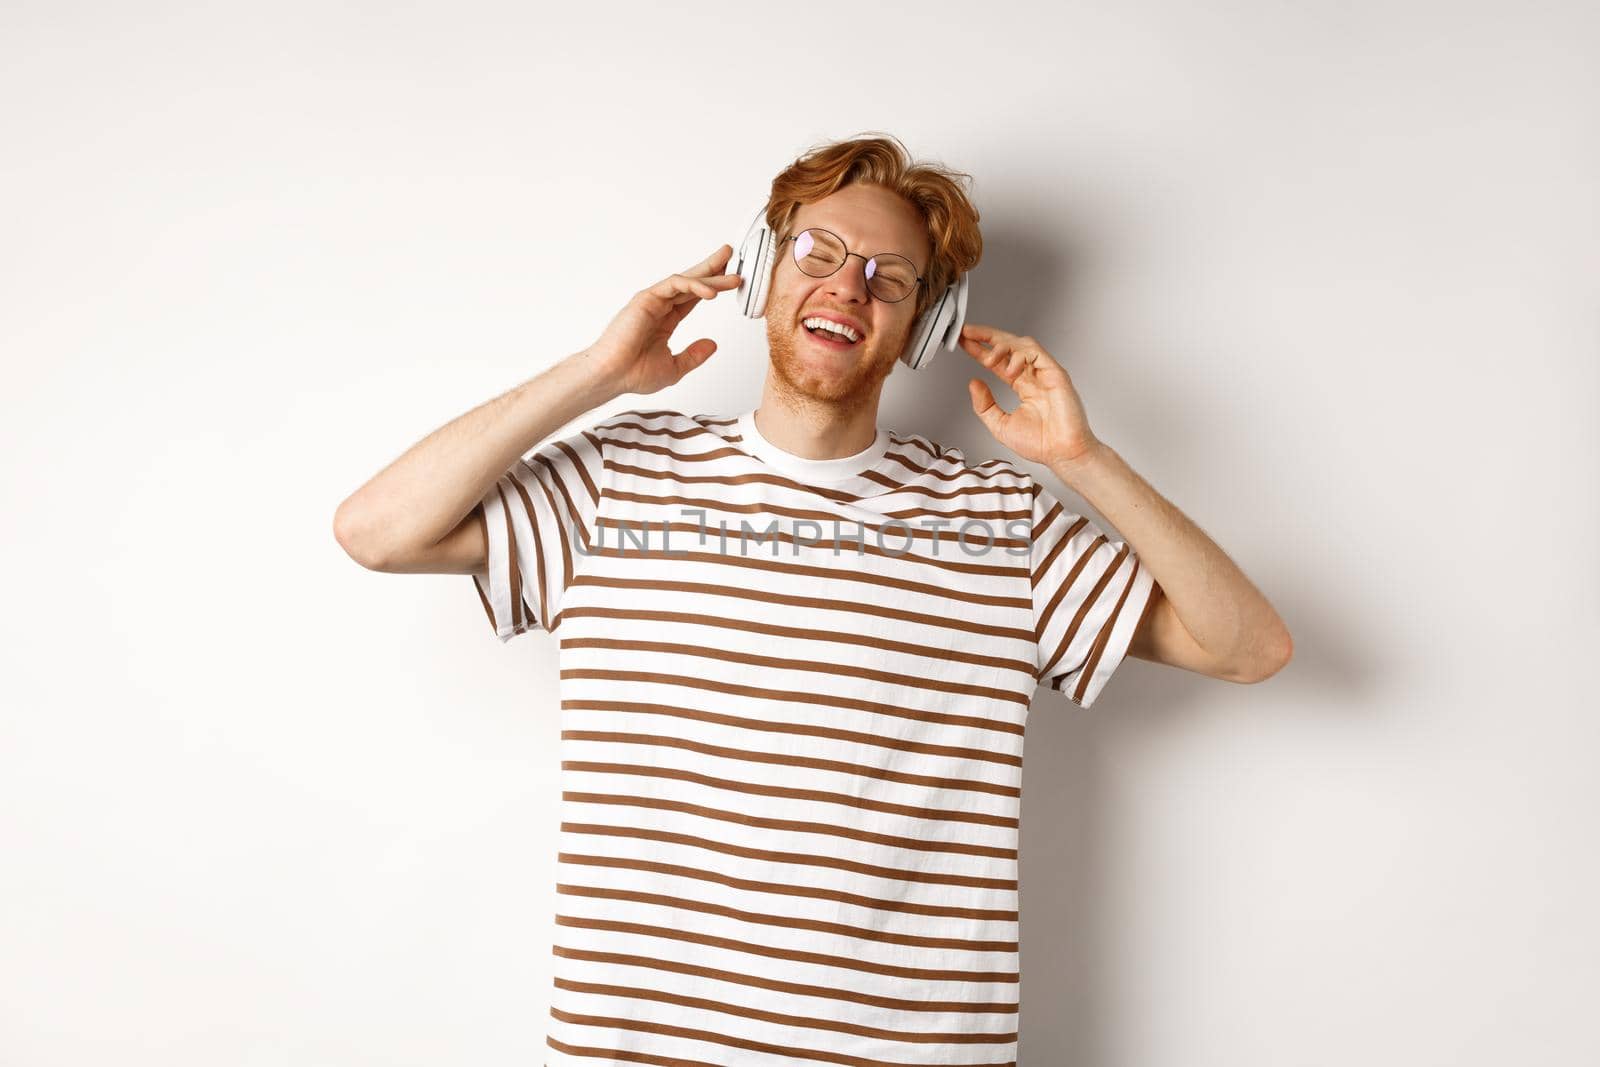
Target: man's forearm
<point>1224,613</point>
<point>420,497</point>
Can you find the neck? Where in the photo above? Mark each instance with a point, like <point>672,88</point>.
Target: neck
<point>816,429</point>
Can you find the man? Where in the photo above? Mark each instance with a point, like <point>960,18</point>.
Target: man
<point>799,649</point>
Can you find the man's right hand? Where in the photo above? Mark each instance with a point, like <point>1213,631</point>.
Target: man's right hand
<point>420,514</point>
<point>633,355</point>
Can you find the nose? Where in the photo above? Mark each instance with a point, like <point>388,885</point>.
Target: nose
<point>849,282</point>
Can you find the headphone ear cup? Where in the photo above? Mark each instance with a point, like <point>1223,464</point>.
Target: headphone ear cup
<point>766,263</point>
<point>755,266</point>
<point>917,346</point>
<point>938,327</point>
<point>958,320</point>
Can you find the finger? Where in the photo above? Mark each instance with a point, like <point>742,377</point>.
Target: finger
<point>675,286</point>
<point>984,405</point>
<point>668,312</point>
<point>710,290</point>
<point>696,354</point>
<point>668,322</point>
<point>1016,363</point>
<point>993,357</point>
<point>984,334</point>
<point>713,263</point>
<point>710,287</point>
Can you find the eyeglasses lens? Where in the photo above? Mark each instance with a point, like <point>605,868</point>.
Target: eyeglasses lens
<point>889,277</point>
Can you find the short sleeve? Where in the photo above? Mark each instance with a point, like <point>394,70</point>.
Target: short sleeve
<point>538,519</point>
<point>1088,594</point>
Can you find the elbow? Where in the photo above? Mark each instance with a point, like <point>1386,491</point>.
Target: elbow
<point>1285,654</point>
<point>1271,665</point>
<point>1258,664</point>
<point>347,530</point>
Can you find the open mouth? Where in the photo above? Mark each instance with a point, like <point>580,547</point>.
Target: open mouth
<point>829,338</point>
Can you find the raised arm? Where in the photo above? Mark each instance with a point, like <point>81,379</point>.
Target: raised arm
<point>1203,614</point>
<point>420,513</point>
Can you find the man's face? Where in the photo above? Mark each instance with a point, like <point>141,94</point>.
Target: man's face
<point>870,220</point>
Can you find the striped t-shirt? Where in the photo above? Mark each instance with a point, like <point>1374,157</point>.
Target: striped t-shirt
<point>792,714</point>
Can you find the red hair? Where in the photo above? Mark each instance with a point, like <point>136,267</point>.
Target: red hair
<point>931,189</point>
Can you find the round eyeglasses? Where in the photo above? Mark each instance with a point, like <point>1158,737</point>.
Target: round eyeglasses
<point>819,253</point>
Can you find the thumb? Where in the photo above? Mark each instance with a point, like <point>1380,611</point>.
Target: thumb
<point>696,354</point>
<point>984,404</point>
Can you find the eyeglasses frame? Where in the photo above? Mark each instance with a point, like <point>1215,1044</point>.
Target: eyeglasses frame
<point>921,281</point>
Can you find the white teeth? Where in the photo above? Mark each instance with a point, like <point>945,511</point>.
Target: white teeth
<point>831,327</point>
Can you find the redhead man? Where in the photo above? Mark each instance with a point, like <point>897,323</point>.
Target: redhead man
<point>798,648</point>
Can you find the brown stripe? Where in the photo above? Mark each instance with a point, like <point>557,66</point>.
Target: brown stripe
<point>913,489</point>
<point>841,496</point>
<point>704,423</point>
<point>545,592</point>
<point>707,1035</point>
<point>573,514</point>
<point>698,431</point>
<point>655,414</point>
<point>761,789</point>
<point>776,563</point>
<point>799,859</point>
<point>788,922</point>
<point>970,473</point>
<point>518,606</point>
<point>1060,543</point>
<point>758,478</point>
<point>797,696</point>
<point>835,670</point>
<point>924,445</point>
<point>781,1019</point>
<point>944,622</point>
<point>893,905</point>
<point>797,826</point>
<point>920,489</point>
<point>813,762</point>
<point>1104,637</point>
<point>722,450</point>
<point>581,465</point>
<point>929,651</point>
<point>1066,584</point>
<point>853,963</point>
<point>1088,605</point>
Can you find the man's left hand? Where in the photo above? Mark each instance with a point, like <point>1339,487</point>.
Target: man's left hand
<point>1049,425</point>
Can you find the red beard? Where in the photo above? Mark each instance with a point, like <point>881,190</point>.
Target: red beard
<point>836,376</point>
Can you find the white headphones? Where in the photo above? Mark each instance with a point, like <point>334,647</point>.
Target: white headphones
<point>939,325</point>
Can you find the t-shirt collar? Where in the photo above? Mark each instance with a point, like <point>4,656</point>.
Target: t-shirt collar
<point>810,471</point>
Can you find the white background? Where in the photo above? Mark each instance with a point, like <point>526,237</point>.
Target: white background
<point>1324,273</point>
